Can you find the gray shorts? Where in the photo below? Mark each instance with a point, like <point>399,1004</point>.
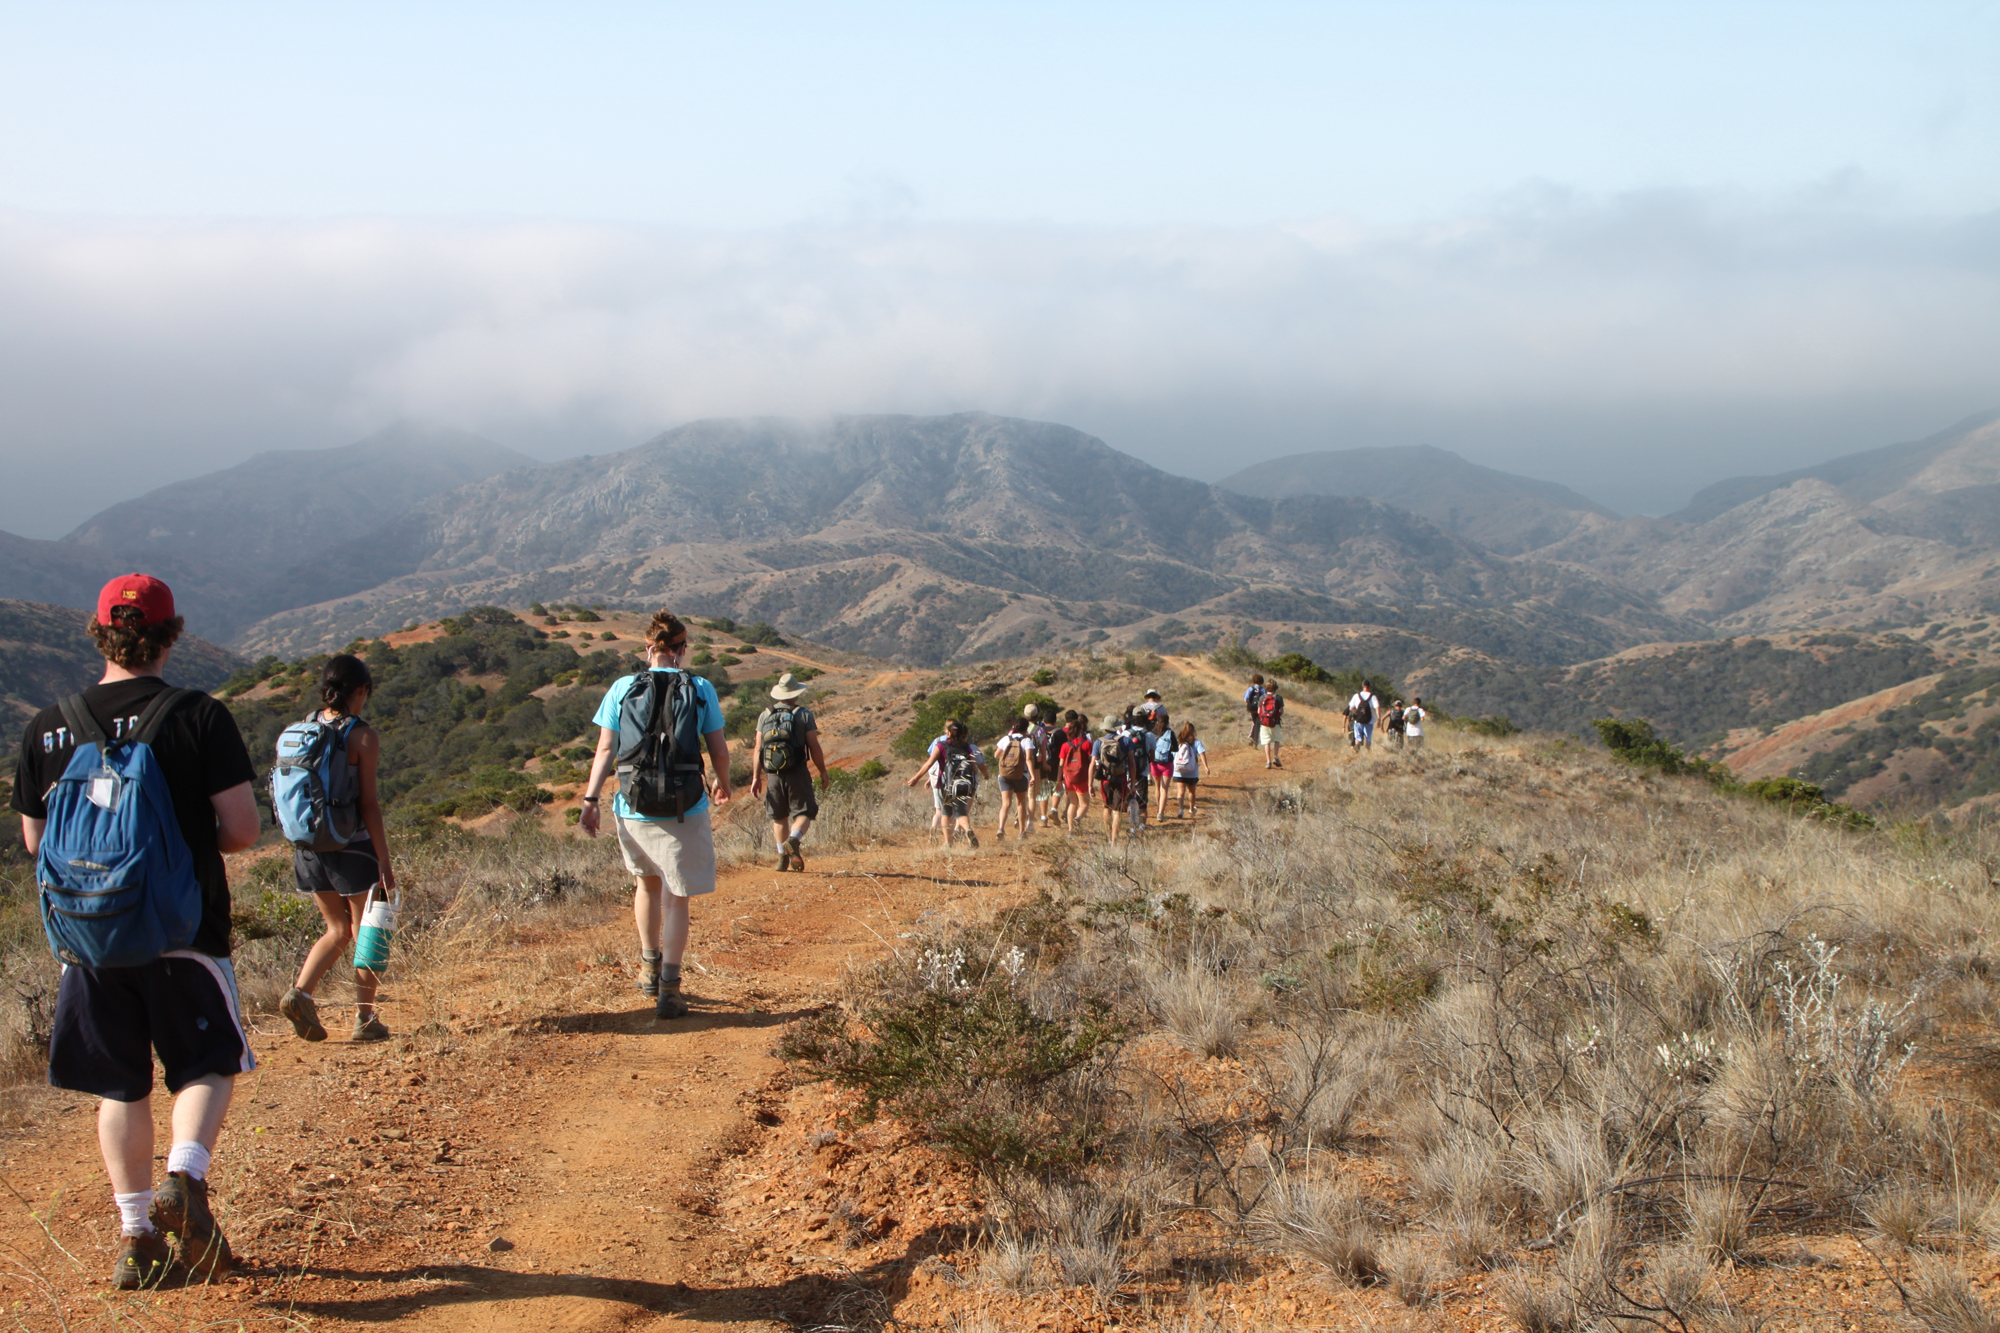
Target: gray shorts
<point>789,795</point>
<point>680,854</point>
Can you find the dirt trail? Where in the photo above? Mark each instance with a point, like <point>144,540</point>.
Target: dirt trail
<point>533,1151</point>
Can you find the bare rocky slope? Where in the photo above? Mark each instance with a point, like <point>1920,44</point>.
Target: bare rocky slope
<point>945,538</point>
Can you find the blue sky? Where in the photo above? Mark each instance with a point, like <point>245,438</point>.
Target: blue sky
<point>1632,246</point>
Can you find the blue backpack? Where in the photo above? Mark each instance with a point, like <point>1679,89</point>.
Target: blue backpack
<point>314,790</point>
<point>660,745</point>
<point>117,878</point>
<point>1164,746</point>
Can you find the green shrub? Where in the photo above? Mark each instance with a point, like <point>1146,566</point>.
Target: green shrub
<point>587,615</point>
<point>1485,726</point>
<point>872,770</point>
<point>761,632</point>
<point>1043,676</point>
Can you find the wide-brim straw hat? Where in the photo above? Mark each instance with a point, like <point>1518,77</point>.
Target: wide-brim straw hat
<point>788,687</point>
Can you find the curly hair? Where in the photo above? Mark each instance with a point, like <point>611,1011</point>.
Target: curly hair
<point>124,642</point>
<point>666,633</point>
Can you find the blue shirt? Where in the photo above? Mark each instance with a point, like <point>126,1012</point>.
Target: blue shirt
<point>607,716</point>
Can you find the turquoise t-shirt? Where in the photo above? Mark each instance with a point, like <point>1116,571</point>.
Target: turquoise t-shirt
<point>607,716</point>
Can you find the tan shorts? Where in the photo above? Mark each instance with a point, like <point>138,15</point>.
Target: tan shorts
<point>1270,735</point>
<point>681,855</point>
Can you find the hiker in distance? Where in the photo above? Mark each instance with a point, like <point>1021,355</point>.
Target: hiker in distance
<point>1073,763</point>
<point>1394,723</point>
<point>1111,770</point>
<point>1018,767</point>
<point>1253,695</point>
<point>1190,765</point>
<point>787,737</point>
<point>1413,723</point>
<point>160,775</point>
<point>653,728</point>
<point>1271,723</point>
<point>1361,711</point>
<point>350,854</point>
<point>954,767</point>
<point>1047,787</point>
<point>1161,744</point>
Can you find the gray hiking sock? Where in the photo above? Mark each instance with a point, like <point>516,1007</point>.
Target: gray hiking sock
<point>649,955</point>
<point>670,972</point>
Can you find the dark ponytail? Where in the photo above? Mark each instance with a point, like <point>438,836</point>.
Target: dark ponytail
<point>345,676</point>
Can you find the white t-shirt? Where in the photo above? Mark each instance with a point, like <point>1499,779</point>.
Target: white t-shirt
<point>1187,760</point>
<point>1413,721</point>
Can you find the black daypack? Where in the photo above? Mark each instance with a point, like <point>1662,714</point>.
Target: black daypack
<point>961,773</point>
<point>660,745</point>
<point>1363,711</point>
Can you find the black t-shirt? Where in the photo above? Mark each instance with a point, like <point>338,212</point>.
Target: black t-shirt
<point>201,754</point>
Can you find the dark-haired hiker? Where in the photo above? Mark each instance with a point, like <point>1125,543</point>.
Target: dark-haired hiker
<point>954,767</point>
<point>1361,711</point>
<point>1048,782</point>
<point>1271,724</point>
<point>1253,696</point>
<point>339,881</point>
<point>1190,763</point>
<point>1394,722</point>
<point>1413,723</point>
<point>671,857</point>
<point>1111,770</point>
<point>1073,757</point>
<point>109,1022</point>
<point>1163,743</point>
<point>1015,763</point>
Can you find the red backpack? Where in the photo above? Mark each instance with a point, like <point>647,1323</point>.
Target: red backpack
<point>1271,709</point>
<point>1076,762</point>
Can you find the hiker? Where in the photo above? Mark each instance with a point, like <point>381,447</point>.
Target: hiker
<point>339,880</point>
<point>175,748</point>
<point>1044,791</point>
<point>1015,762</point>
<point>1413,723</point>
<point>1395,725</point>
<point>652,727</point>
<point>1162,744</point>
<point>1190,763</point>
<point>1111,770</point>
<point>1151,710</point>
<point>954,767</point>
<point>1253,697</point>
<point>787,738</point>
<point>1361,710</point>
<point>1271,723</point>
<point>1073,764</point>
<point>1139,771</point>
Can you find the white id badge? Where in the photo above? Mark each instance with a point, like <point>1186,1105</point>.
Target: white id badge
<point>104,790</point>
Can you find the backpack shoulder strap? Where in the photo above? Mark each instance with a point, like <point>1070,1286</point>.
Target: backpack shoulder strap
<point>83,723</point>
<point>156,712</point>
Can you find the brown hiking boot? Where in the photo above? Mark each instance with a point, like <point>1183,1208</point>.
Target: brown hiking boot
<point>143,1262</point>
<point>304,1014</point>
<point>671,1003</point>
<point>370,1028</point>
<point>798,857</point>
<point>181,1207</point>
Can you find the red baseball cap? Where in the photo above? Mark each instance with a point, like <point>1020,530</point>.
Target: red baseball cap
<point>154,599</point>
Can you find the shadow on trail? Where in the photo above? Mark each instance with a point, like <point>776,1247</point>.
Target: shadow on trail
<point>802,1300</point>
<point>641,1023</point>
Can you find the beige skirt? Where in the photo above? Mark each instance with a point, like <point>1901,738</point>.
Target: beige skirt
<point>678,853</point>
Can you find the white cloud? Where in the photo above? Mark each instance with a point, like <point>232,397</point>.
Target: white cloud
<point>159,351</point>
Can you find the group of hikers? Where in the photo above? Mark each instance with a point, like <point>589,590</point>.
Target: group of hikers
<point>132,791</point>
<point>1051,769</point>
<point>1401,723</point>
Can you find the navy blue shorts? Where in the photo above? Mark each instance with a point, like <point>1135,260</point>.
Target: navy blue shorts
<point>110,1020</point>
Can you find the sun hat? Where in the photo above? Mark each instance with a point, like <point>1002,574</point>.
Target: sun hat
<point>788,687</point>
<point>1032,712</point>
<point>153,599</point>
<point>1152,694</point>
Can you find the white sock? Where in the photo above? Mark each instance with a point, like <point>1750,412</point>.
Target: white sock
<point>189,1158</point>
<point>135,1212</point>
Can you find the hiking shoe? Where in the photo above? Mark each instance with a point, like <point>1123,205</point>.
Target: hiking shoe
<point>181,1206</point>
<point>784,857</point>
<point>304,1014</point>
<point>798,857</point>
<point>143,1261</point>
<point>972,838</point>
<point>671,1003</point>
<point>649,976</point>
<point>370,1028</point>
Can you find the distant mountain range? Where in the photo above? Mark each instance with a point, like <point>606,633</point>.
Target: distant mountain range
<point>1500,511</point>
<point>957,538</point>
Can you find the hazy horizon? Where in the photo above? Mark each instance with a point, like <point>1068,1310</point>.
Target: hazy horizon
<point>1634,251</point>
